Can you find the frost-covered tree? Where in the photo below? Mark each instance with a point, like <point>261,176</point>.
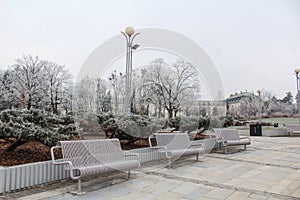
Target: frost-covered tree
<point>35,83</point>
<point>117,82</point>
<point>265,100</point>
<point>84,96</point>
<point>103,99</point>
<point>250,106</point>
<point>59,85</point>
<point>169,85</point>
<point>67,101</point>
<point>288,99</point>
<point>91,95</point>
<point>7,97</point>
<point>283,106</point>
<point>29,80</point>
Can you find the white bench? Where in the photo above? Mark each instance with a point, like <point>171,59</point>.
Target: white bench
<point>88,157</point>
<point>230,137</point>
<point>293,129</point>
<point>174,145</point>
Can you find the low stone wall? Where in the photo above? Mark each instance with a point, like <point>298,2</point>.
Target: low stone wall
<point>267,132</point>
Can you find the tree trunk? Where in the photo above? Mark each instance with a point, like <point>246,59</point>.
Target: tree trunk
<point>170,113</point>
<point>56,103</point>
<point>14,145</point>
<point>29,102</point>
<point>147,110</point>
<point>159,111</point>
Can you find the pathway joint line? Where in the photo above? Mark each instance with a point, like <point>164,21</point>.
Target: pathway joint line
<point>219,185</point>
<point>253,162</point>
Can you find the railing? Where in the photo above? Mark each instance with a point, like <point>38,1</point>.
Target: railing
<point>27,175</point>
<point>32,174</point>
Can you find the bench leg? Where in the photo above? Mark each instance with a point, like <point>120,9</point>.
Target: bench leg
<point>244,147</point>
<point>128,174</point>
<point>169,162</point>
<point>225,149</point>
<point>79,186</point>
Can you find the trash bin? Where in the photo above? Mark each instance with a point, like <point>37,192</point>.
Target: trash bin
<point>255,130</point>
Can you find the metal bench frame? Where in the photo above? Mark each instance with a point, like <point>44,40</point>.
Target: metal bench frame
<point>293,129</point>
<point>88,157</point>
<point>230,137</point>
<point>174,145</point>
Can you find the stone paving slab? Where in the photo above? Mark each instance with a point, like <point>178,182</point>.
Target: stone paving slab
<point>269,169</point>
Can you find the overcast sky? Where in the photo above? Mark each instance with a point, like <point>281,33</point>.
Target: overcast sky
<point>253,43</point>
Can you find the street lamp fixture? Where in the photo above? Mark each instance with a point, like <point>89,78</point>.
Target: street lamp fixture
<point>297,71</point>
<point>129,34</point>
<point>129,30</point>
<point>135,46</point>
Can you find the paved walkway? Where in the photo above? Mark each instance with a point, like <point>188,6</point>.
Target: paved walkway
<point>269,169</point>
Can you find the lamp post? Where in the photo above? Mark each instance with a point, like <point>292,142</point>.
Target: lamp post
<point>129,35</point>
<point>297,70</point>
<point>259,106</point>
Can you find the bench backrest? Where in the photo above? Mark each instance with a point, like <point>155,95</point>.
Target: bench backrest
<point>293,127</point>
<point>173,141</point>
<point>91,152</point>
<point>227,134</point>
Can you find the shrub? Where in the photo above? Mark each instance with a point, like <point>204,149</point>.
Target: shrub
<point>173,123</point>
<point>35,125</point>
<point>130,128</point>
<point>190,123</point>
<point>134,127</point>
<point>227,121</point>
<point>216,122</point>
<point>204,123</point>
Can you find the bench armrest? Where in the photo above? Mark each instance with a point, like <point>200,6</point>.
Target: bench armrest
<point>195,145</point>
<point>149,140</point>
<point>155,147</point>
<point>159,147</point>
<point>132,154</point>
<point>220,140</point>
<point>69,163</point>
<point>57,162</point>
<point>242,138</point>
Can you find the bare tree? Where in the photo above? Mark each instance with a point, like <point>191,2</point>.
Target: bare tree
<point>7,97</point>
<point>170,84</point>
<point>59,81</point>
<point>103,96</point>
<point>249,106</point>
<point>266,101</point>
<point>84,95</point>
<point>117,81</point>
<point>28,80</point>
<point>283,106</point>
<point>36,83</point>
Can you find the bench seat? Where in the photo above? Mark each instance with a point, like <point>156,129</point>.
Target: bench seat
<point>178,153</point>
<point>230,137</point>
<point>98,169</point>
<point>175,145</point>
<point>89,157</point>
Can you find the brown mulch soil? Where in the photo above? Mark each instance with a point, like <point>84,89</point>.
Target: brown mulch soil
<point>26,153</point>
<point>36,152</point>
